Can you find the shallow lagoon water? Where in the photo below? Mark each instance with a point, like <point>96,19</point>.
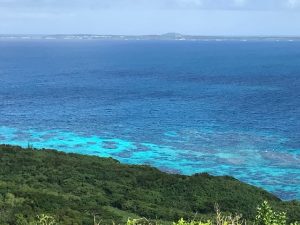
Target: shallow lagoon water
<point>227,108</point>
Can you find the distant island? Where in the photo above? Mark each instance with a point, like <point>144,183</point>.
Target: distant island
<point>167,36</point>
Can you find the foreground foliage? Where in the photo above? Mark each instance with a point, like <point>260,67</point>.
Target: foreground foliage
<point>74,188</point>
<point>265,216</point>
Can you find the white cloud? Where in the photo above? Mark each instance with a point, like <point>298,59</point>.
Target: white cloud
<point>150,4</point>
<point>293,3</point>
<point>240,2</point>
<point>191,2</point>
<point>215,17</point>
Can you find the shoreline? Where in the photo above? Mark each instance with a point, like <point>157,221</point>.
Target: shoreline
<point>165,171</point>
<point>54,38</point>
<point>158,156</point>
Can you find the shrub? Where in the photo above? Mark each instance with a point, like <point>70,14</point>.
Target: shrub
<point>141,221</point>
<point>183,222</point>
<point>266,216</point>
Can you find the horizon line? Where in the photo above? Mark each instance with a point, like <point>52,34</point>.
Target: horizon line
<point>174,34</point>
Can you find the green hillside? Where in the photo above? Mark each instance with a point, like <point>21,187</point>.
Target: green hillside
<point>75,187</point>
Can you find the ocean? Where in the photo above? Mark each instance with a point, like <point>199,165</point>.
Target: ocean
<point>222,107</point>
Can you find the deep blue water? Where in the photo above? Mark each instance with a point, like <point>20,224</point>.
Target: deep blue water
<point>220,107</point>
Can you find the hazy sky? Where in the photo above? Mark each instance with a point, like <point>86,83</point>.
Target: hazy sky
<point>201,17</point>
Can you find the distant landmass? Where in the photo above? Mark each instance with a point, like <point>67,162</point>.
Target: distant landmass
<point>167,36</point>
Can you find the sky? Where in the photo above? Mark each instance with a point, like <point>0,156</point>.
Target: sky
<point>140,17</point>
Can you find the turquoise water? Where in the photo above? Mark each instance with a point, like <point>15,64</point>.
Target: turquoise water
<point>227,108</point>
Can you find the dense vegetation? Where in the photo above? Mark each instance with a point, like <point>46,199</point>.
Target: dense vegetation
<point>74,188</point>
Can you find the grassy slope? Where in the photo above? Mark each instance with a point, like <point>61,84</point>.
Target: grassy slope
<point>74,187</point>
